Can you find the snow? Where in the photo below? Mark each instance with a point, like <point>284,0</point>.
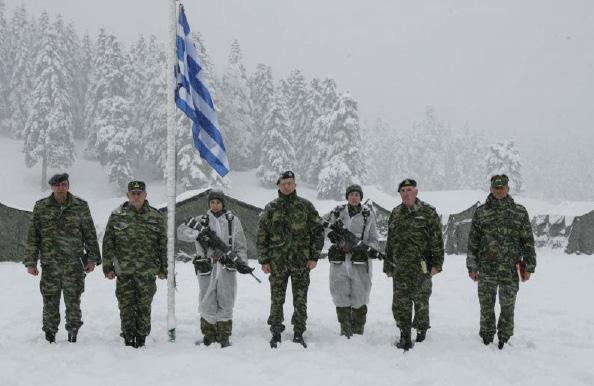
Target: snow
<point>553,342</point>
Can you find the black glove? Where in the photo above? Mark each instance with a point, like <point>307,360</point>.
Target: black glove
<point>334,254</point>
<point>333,237</point>
<point>244,268</point>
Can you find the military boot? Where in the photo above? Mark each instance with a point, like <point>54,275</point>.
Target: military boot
<point>344,318</point>
<point>276,339</point>
<point>405,342</point>
<point>421,335</point>
<point>224,332</point>
<point>129,341</point>
<point>140,340</point>
<point>72,334</point>
<point>358,319</point>
<point>487,339</point>
<point>210,332</point>
<point>50,336</point>
<point>298,338</point>
<point>502,342</point>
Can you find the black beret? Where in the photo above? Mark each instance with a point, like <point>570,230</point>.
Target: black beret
<point>136,186</point>
<point>407,182</point>
<point>353,188</point>
<point>285,175</point>
<point>216,194</point>
<point>58,178</point>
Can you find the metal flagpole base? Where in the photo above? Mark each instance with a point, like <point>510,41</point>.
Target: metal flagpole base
<point>171,334</point>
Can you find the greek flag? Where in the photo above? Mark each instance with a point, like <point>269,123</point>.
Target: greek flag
<point>193,98</point>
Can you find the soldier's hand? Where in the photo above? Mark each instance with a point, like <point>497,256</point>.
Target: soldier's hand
<point>32,269</point>
<point>110,275</point>
<point>526,276</point>
<point>161,275</point>
<point>389,274</point>
<point>474,276</point>
<point>434,271</point>
<point>266,268</point>
<point>89,267</point>
<point>311,264</point>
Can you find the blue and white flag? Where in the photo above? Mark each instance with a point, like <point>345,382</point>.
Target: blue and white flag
<point>193,98</point>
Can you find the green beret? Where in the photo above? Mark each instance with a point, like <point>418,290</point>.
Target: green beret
<point>407,182</point>
<point>58,179</point>
<point>136,186</point>
<point>285,175</point>
<point>499,180</point>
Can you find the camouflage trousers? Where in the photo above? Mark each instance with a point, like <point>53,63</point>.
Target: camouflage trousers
<point>411,291</point>
<point>135,295</point>
<point>488,286</point>
<point>216,331</point>
<point>278,290</point>
<point>68,279</point>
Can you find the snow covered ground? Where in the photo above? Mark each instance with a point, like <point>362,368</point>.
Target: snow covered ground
<point>553,342</point>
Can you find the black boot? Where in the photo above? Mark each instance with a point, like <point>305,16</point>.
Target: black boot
<point>502,342</point>
<point>224,341</point>
<point>129,341</point>
<point>298,338</point>
<point>140,340</point>
<point>209,339</point>
<point>72,334</point>
<point>487,340</point>
<point>346,330</point>
<point>276,339</point>
<point>421,335</point>
<point>50,336</point>
<point>405,342</point>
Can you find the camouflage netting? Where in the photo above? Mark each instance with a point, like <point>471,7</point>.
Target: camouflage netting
<point>581,235</point>
<point>550,230</point>
<point>457,229</point>
<point>198,205</point>
<point>14,225</point>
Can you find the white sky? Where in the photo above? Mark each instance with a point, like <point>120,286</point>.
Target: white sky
<point>512,68</point>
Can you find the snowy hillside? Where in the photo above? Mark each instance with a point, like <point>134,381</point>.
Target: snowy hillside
<point>553,342</point>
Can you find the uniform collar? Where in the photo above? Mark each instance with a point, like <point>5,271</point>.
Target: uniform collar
<point>66,203</point>
<point>288,197</point>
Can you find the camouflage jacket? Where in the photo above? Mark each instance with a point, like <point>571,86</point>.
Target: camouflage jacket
<point>290,232</point>
<point>414,235</point>
<point>61,233</point>
<point>135,241</point>
<point>500,233</point>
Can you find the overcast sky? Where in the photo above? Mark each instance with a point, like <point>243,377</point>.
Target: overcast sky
<point>512,68</point>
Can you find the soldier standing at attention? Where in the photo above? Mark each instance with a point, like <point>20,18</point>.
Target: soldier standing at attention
<point>62,236</point>
<point>290,239</point>
<point>500,244</point>
<point>350,270</point>
<point>135,251</point>
<point>217,281</point>
<point>414,253</point>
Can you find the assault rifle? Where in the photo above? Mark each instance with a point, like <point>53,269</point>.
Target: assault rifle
<point>208,238</point>
<point>344,238</point>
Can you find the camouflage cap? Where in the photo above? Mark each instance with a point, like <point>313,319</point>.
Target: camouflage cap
<point>58,179</point>
<point>216,194</point>
<point>136,186</point>
<point>354,188</point>
<point>499,180</point>
<point>407,182</point>
<point>285,175</point>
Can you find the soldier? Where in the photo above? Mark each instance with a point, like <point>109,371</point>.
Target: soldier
<point>217,281</point>
<point>414,253</point>
<point>350,270</point>
<point>62,235</point>
<point>290,239</point>
<point>500,238</point>
<point>135,251</point>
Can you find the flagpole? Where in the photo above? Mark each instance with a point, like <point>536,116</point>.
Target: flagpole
<point>171,163</point>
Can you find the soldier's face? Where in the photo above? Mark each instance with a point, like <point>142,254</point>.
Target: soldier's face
<point>354,198</point>
<point>287,186</point>
<point>137,198</point>
<point>60,190</point>
<point>215,206</point>
<point>408,194</point>
<point>500,193</point>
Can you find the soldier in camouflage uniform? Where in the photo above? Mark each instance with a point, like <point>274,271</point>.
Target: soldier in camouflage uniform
<point>500,238</point>
<point>62,236</point>
<point>350,270</point>
<point>135,251</point>
<point>217,281</point>
<point>414,253</point>
<point>290,239</point>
